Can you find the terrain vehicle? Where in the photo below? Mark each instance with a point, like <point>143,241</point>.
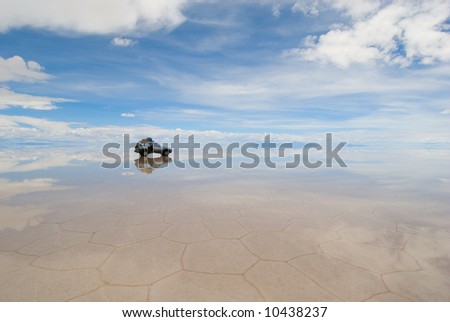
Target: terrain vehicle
<point>147,146</point>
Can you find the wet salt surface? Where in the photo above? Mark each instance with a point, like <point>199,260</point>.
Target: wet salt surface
<point>73,231</point>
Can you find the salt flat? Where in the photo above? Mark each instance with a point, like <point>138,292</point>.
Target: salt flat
<point>91,234</point>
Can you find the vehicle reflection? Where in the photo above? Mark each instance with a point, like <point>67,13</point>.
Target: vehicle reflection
<point>148,165</point>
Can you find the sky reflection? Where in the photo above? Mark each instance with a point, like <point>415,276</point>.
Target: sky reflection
<point>379,219</point>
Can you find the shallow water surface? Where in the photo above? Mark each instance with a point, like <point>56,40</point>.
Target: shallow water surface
<point>73,231</point>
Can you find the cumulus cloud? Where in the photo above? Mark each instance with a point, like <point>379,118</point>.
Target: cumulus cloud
<point>122,42</point>
<point>395,32</point>
<point>91,17</point>
<point>9,99</point>
<point>127,115</point>
<point>17,69</point>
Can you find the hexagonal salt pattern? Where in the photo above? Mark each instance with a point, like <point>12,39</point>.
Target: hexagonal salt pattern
<point>376,259</point>
<point>419,286</point>
<point>187,233</point>
<point>115,294</point>
<point>278,246</point>
<point>126,235</point>
<point>218,256</point>
<point>12,261</point>
<point>278,281</point>
<point>249,248</point>
<point>191,286</point>
<point>142,263</point>
<point>348,282</point>
<point>81,256</point>
<point>40,284</point>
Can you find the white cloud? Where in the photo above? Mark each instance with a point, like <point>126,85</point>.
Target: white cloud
<point>9,99</point>
<point>446,111</point>
<point>280,86</point>
<point>122,42</point>
<point>276,10</point>
<point>127,115</point>
<point>307,7</point>
<point>14,127</point>
<point>392,140</point>
<point>398,32</point>
<point>377,129</point>
<point>91,17</point>
<point>17,69</point>
<point>356,9</point>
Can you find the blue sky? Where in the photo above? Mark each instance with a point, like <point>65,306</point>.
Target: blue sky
<point>369,71</point>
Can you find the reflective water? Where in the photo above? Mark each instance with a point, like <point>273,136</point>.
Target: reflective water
<point>378,230</point>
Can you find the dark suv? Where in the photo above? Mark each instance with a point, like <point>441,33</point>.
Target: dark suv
<point>147,146</point>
